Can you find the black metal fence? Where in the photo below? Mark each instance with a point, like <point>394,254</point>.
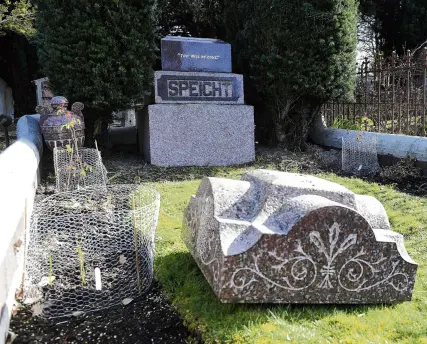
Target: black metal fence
<point>390,97</point>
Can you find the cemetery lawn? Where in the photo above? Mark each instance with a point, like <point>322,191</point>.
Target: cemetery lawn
<point>186,287</point>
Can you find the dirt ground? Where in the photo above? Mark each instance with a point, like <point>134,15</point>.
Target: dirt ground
<point>148,319</point>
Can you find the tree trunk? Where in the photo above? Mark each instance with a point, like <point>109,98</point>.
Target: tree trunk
<point>292,131</point>
<point>96,122</point>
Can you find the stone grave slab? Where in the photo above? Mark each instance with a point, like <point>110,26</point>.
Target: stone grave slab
<point>183,87</point>
<point>188,54</point>
<point>276,237</point>
<point>196,134</point>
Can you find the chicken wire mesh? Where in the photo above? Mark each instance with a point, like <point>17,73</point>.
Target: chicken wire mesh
<point>90,249</point>
<point>77,168</point>
<point>359,155</point>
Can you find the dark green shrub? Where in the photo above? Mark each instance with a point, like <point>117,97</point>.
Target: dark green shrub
<point>198,18</point>
<point>295,55</point>
<point>98,52</point>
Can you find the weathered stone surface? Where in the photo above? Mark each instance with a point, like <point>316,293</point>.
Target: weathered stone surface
<point>279,237</point>
<point>28,129</point>
<point>189,54</point>
<point>182,87</point>
<point>54,119</point>
<point>197,134</point>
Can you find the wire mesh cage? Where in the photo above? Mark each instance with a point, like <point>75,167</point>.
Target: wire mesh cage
<point>90,249</point>
<point>77,168</point>
<point>359,155</point>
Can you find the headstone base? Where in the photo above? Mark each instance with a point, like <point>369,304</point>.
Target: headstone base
<point>196,134</point>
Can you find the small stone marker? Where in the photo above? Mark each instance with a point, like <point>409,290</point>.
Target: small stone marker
<point>177,87</point>
<point>188,54</point>
<point>276,237</point>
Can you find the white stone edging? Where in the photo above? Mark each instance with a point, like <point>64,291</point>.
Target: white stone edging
<point>399,146</point>
<point>19,176</point>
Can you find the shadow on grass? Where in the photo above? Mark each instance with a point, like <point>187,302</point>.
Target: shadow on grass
<point>186,286</point>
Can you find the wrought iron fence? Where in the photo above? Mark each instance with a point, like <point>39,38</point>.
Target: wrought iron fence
<point>390,97</point>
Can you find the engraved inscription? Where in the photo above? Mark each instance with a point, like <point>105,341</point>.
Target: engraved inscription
<point>195,56</point>
<point>198,88</point>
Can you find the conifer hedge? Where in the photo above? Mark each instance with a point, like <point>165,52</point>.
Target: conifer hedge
<point>295,54</point>
<point>98,52</point>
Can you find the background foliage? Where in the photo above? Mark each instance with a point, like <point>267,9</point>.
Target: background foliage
<point>197,18</point>
<point>100,53</point>
<point>295,55</point>
<point>399,24</point>
<point>17,16</point>
<point>18,67</point>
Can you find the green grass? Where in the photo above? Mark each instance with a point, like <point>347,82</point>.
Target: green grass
<point>186,287</point>
<point>407,128</point>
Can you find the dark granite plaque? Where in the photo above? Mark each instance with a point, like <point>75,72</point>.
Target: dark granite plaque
<point>179,87</point>
<point>187,54</point>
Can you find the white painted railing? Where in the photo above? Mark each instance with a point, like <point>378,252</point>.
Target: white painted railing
<point>399,146</point>
<point>19,176</point>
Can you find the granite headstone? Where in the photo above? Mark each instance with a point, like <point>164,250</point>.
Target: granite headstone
<point>197,134</point>
<point>185,87</point>
<point>276,237</point>
<point>188,54</point>
<point>199,118</point>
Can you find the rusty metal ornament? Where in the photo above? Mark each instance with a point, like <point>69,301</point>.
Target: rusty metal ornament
<point>61,127</point>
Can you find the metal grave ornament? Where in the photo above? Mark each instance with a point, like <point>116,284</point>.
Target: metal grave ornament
<point>61,127</point>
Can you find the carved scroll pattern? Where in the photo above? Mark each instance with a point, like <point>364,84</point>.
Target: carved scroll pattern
<point>300,270</point>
